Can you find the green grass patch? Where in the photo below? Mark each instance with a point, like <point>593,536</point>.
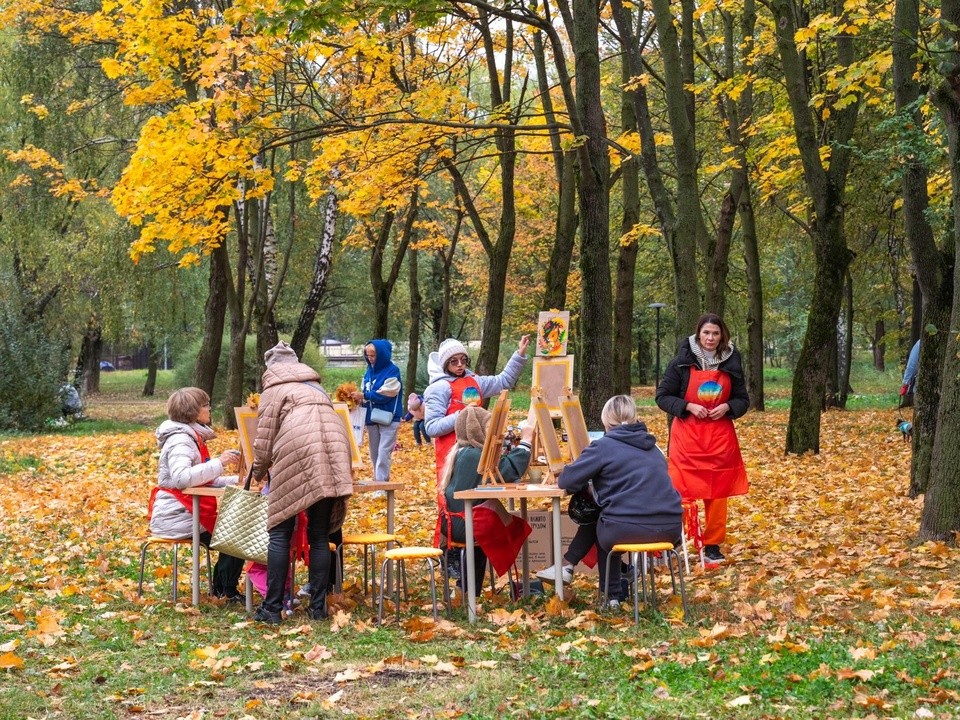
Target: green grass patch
<point>10,463</point>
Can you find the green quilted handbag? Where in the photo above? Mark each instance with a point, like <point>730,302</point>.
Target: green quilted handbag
<point>241,527</point>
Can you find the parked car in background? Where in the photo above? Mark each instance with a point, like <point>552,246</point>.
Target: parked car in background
<point>106,366</point>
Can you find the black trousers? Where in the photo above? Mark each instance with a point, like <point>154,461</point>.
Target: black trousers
<point>226,572</point>
<point>278,558</point>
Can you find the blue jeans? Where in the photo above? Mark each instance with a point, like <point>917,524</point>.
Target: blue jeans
<point>420,432</point>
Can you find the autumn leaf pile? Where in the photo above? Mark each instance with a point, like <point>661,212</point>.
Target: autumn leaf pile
<point>820,541</point>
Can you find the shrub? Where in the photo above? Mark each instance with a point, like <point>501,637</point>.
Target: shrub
<point>33,365</point>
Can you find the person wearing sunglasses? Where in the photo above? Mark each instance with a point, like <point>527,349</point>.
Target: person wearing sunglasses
<point>454,386</point>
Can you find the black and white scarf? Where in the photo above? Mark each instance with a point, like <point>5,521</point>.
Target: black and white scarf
<point>705,361</point>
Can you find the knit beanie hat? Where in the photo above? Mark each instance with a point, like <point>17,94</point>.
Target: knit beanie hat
<point>280,353</point>
<point>471,426</point>
<point>448,348</point>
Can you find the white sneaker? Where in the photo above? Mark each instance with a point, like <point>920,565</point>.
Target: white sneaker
<point>613,605</point>
<point>378,494</point>
<point>550,575</point>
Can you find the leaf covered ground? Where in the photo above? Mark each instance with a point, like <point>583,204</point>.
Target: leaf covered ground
<point>829,608</point>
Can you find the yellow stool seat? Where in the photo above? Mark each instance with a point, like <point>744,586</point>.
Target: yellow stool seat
<point>369,542</point>
<point>175,543</point>
<point>640,557</point>
<point>412,553</point>
<point>430,555</point>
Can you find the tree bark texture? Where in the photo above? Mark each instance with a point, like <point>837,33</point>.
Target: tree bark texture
<point>689,219</point>
<point>755,342</point>
<point>933,266</point>
<point>208,358</point>
<point>416,305</point>
<point>825,187</point>
<point>322,267</point>
<point>941,503</point>
<point>596,383</point>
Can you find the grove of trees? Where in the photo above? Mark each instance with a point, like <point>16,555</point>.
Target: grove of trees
<point>195,173</point>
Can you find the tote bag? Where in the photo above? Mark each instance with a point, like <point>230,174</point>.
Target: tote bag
<point>241,527</point>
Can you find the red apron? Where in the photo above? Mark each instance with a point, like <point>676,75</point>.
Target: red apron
<point>704,459</point>
<point>464,391</point>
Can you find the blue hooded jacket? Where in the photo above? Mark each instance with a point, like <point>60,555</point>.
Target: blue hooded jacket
<point>374,378</point>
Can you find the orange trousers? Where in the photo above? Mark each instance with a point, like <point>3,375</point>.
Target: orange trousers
<point>715,521</point>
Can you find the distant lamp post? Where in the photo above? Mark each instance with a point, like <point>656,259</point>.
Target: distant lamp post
<point>657,307</point>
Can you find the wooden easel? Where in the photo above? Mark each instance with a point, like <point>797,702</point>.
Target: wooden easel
<point>545,438</point>
<point>489,466</point>
<point>571,411</point>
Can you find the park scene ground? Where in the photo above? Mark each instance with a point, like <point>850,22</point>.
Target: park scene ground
<point>827,608</point>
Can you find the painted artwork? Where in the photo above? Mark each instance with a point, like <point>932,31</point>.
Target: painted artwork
<point>553,331</point>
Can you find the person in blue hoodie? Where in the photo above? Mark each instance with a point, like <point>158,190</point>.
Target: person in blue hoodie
<point>380,392</point>
<point>638,503</point>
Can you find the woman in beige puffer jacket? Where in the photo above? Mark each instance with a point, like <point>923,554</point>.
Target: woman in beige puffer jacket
<point>304,444</point>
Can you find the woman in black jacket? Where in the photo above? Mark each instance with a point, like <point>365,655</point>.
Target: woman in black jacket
<point>703,391</point>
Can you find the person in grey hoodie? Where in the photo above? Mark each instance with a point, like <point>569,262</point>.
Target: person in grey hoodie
<point>638,503</point>
<point>185,462</point>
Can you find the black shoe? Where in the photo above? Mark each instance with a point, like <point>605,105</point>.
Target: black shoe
<point>267,616</point>
<point>453,566</point>
<point>232,597</point>
<point>712,554</point>
<point>318,614</point>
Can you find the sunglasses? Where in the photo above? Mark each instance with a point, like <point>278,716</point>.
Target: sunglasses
<point>459,360</point>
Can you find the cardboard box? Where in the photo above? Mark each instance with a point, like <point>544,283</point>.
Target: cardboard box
<point>540,542</point>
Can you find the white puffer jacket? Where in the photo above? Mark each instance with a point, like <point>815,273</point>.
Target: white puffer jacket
<point>181,467</point>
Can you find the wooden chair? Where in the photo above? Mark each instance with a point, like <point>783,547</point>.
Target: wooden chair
<point>175,543</point>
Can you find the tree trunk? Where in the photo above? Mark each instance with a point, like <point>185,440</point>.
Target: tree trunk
<point>879,346</point>
<point>825,187</point>
<point>934,267</point>
<point>755,342</point>
<point>845,349</point>
<point>689,229</point>
<point>153,364</point>
<point>88,363</point>
<point>208,358</point>
<point>627,257</point>
<point>322,267</point>
<point>941,503</point>
<point>416,304</point>
<point>558,271</point>
<point>596,383</point>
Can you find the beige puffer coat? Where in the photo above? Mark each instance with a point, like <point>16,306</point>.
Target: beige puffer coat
<point>302,441</point>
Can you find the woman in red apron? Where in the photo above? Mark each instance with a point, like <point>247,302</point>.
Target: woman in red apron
<point>703,391</point>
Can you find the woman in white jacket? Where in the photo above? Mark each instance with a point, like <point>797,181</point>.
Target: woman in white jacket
<point>185,462</point>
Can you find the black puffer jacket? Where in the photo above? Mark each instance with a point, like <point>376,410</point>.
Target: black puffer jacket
<point>673,385</point>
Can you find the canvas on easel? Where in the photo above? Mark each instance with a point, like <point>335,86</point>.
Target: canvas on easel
<point>552,375</point>
<point>489,466</point>
<point>547,438</point>
<point>343,412</point>
<point>247,431</point>
<point>577,435</point>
